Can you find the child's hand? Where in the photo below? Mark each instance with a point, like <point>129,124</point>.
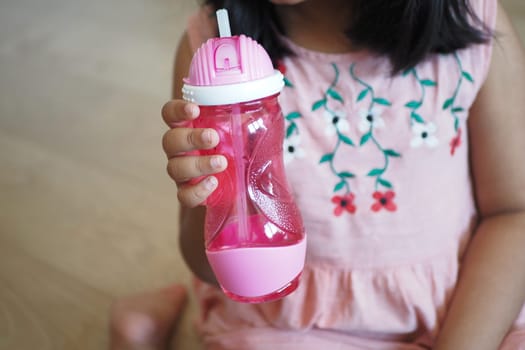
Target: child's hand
<point>183,164</point>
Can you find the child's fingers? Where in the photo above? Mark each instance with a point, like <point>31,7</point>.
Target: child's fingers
<point>191,195</point>
<point>176,112</point>
<point>185,168</point>
<point>178,140</point>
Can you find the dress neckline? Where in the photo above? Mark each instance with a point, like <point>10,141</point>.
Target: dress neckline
<point>366,61</point>
<point>301,51</point>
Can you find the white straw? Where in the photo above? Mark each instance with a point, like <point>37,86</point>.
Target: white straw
<point>224,23</point>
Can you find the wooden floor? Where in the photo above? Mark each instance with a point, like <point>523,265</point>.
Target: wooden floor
<point>87,213</point>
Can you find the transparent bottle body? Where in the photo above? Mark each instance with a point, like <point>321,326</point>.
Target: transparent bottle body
<point>251,218</point>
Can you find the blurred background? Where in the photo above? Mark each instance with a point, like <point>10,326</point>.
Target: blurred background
<point>87,212</point>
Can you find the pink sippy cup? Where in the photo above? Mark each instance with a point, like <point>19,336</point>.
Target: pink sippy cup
<point>254,234</point>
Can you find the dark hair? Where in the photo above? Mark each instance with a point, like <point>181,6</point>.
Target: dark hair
<point>405,31</point>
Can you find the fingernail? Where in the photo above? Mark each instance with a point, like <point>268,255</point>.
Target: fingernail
<point>217,162</point>
<point>207,137</point>
<point>192,110</point>
<point>210,183</point>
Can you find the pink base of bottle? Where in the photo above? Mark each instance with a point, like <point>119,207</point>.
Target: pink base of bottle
<point>258,273</point>
<point>281,293</point>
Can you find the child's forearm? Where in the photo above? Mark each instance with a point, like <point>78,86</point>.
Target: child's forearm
<point>491,286</point>
<point>191,238</point>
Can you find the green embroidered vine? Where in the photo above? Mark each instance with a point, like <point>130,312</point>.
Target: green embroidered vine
<point>450,103</point>
<point>292,125</point>
<point>292,116</point>
<point>414,105</point>
<point>369,135</point>
<point>332,93</point>
<point>287,82</point>
<point>367,90</point>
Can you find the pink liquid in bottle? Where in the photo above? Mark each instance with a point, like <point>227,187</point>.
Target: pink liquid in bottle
<point>254,235</point>
<point>257,273</point>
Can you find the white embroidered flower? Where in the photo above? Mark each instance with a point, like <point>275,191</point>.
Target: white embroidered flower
<point>335,120</point>
<point>370,119</point>
<point>292,148</point>
<point>424,134</point>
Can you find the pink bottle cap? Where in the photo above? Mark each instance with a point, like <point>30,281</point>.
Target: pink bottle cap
<point>230,69</point>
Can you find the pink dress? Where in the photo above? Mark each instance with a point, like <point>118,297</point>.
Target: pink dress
<point>379,167</point>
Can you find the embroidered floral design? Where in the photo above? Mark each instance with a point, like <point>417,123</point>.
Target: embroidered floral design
<point>424,135</point>
<point>292,125</point>
<point>292,148</point>
<point>453,108</point>
<point>282,68</point>
<point>384,200</point>
<point>291,142</point>
<point>455,142</point>
<point>344,203</point>
<point>371,116</point>
<point>336,124</point>
<point>414,105</point>
<point>335,118</point>
<point>370,119</point>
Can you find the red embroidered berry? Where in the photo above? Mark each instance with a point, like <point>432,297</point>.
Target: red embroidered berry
<point>343,203</point>
<point>281,67</point>
<point>455,142</point>
<point>384,200</point>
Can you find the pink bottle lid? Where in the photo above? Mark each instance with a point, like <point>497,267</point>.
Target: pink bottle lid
<point>230,69</point>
